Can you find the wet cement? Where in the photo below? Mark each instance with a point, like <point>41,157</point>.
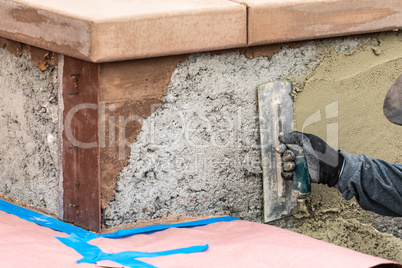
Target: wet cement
<point>348,91</point>
<point>344,223</point>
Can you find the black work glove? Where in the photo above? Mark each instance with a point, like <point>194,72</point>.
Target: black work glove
<point>323,162</point>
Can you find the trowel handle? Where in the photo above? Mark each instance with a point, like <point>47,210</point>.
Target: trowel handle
<point>301,179</point>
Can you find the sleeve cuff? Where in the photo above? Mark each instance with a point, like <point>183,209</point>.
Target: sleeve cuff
<point>351,167</point>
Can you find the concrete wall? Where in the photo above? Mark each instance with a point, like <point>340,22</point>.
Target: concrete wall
<point>28,132</point>
<point>198,153</point>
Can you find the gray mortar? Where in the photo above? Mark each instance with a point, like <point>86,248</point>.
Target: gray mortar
<point>216,168</point>
<point>386,224</point>
<point>28,119</point>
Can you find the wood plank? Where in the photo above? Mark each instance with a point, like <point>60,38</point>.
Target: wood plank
<point>80,143</point>
<point>137,79</point>
<point>129,91</point>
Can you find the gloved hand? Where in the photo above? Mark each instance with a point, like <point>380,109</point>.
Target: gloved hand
<point>323,162</point>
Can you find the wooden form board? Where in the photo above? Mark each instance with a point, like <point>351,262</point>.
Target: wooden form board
<point>80,146</point>
<point>101,107</point>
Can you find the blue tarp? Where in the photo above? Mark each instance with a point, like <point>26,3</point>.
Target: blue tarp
<point>78,239</point>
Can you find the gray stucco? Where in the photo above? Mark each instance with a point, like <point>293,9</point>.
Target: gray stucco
<point>28,120</point>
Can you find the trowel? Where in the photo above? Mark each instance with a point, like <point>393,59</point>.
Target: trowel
<point>276,116</point>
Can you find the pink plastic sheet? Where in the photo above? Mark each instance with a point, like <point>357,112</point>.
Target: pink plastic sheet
<point>26,244</point>
<point>231,244</point>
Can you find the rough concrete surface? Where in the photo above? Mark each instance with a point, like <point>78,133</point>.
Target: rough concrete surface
<point>198,153</point>
<point>28,120</point>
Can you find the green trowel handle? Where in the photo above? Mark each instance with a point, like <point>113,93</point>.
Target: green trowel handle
<point>301,179</point>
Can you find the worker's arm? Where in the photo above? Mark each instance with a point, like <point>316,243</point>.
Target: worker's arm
<point>376,184</point>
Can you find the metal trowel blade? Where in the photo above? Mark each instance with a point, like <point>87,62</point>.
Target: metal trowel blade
<point>275,107</point>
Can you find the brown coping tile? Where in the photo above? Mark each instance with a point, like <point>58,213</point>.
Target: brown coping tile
<point>274,21</point>
<point>103,31</point>
<point>43,27</point>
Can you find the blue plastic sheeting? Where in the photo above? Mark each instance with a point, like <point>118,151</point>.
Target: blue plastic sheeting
<point>79,237</point>
<point>94,254</point>
<point>45,221</point>
<point>161,227</point>
<point>61,226</point>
